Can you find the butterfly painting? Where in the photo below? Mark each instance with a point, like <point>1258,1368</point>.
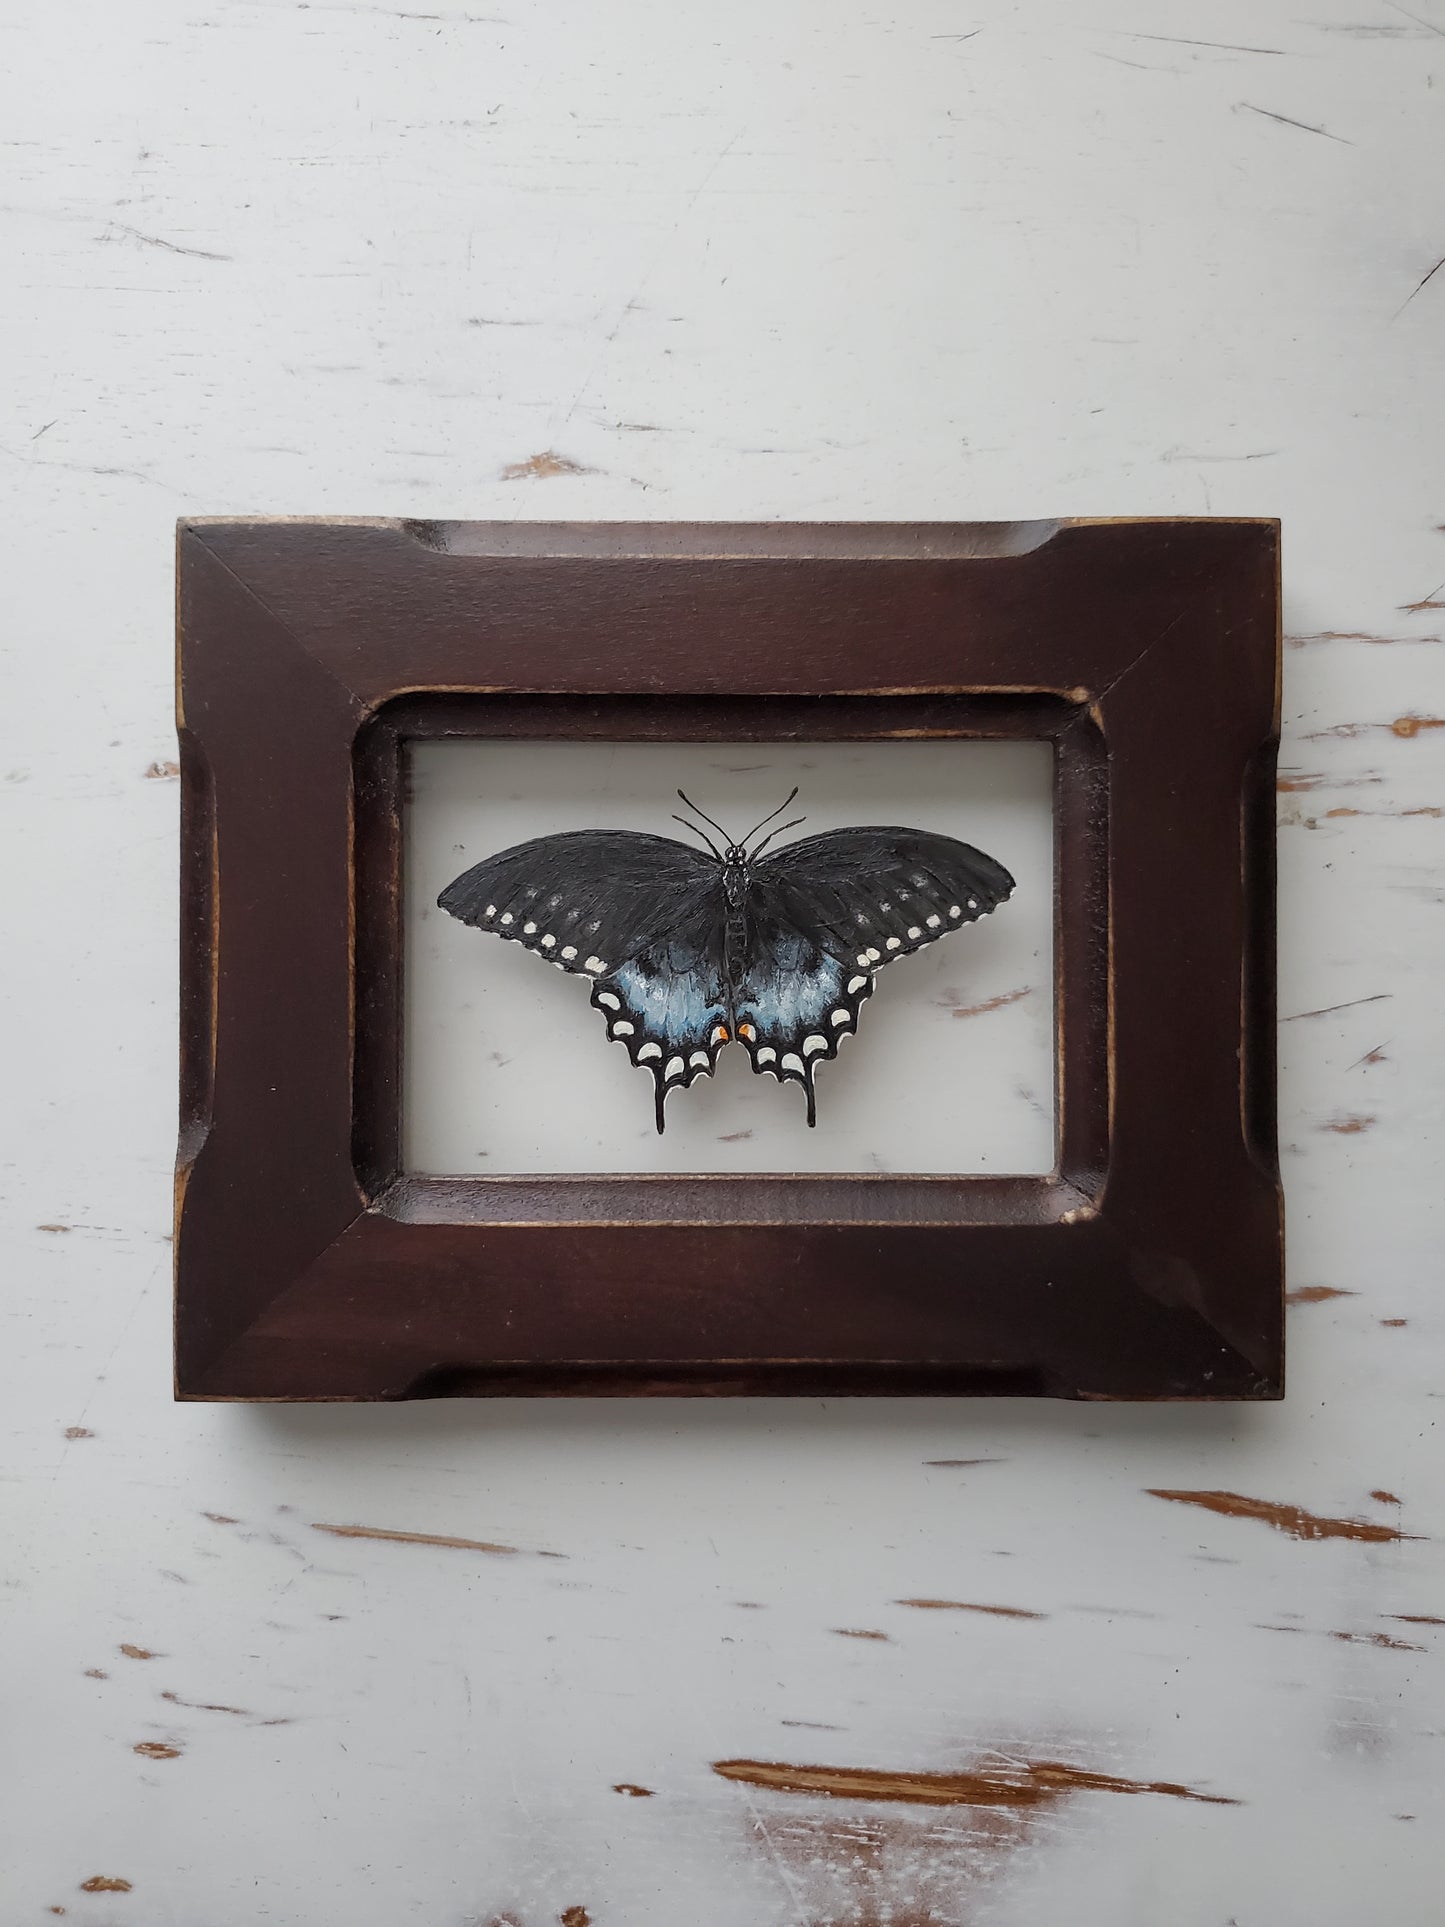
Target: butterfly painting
<point>689,950</point>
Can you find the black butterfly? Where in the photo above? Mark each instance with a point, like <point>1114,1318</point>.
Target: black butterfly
<point>689,949</point>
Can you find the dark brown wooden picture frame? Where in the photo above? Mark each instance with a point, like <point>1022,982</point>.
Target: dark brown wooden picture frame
<point>309,1265</point>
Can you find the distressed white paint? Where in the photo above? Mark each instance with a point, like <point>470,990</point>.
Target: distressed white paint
<point>827,260</point>
<point>491,1036</point>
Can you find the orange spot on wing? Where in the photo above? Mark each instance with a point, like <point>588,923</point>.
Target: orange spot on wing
<point>746,1030</point>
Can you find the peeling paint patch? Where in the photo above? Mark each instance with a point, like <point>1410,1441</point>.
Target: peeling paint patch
<point>79,1432</point>
<point>105,1883</point>
<point>156,1750</point>
<point>1349,1124</point>
<point>1009,1783</point>
<point>1384,1497</point>
<point>1378,1639</point>
<point>1317,779</point>
<point>858,1632</point>
<point>159,772</point>
<point>137,1652</point>
<point>424,1539</point>
<point>1316,1294</point>
<point>1394,1323</point>
<point>967,1606</point>
<point>1353,635</point>
<point>55,1230</point>
<point>220,1518</point>
<point>94,1672</point>
<point>633,1791</point>
<point>994,1003</point>
<point>1291,1519</point>
<point>540,468</point>
<point>575,1917</point>
<point>1417,1619</point>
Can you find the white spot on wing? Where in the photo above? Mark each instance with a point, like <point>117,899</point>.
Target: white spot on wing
<point>606,997</point>
<point>933,922</point>
<point>840,1017</point>
<point>895,943</point>
<point>548,942</point>
<point>622,1029</point>
<point>813,1043</point>
<point>649,1050</point>
<point>955,910</point>
<point>507,917</point>
<point>569,951</point>
<point>675,1067</point>
<point>594,964</point>
<point>490,911</point>
<point>529,929</point>
<point>913,935</point>
<point>766,1054</point>
<point>792,1062</point>
<point>701,1057</point>
<point>864,958</point>
<point>855,984</point>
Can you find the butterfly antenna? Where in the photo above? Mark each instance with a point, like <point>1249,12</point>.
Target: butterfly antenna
<point>697,832</point>
<point>704,815</point>
<point>771,814</point>
<point>777,832</point>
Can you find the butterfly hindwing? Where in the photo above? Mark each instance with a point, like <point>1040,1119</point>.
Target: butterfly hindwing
<point>874,894</point>
<point>670,1010</point>
<point>795,1002</point>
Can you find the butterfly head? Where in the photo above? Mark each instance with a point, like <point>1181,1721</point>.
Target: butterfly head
<point>736,855</point>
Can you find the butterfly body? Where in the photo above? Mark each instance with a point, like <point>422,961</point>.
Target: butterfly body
<point>688,950</point>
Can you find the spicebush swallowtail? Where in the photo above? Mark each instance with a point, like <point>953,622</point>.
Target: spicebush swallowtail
<point>689,949</point>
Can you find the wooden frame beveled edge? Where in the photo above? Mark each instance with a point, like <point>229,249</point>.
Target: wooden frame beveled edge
<point>201,823</point>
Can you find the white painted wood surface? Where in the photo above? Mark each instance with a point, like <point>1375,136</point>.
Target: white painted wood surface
<point>636,259</point>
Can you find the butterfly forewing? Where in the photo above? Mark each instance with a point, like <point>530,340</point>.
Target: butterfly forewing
<point>587,899</point>
<point>871,895</point>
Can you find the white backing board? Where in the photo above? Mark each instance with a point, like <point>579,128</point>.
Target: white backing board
<point>508,1068</point>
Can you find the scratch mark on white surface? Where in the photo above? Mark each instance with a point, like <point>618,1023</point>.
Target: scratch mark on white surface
<point>1328,1010</point>
<point>171,247</point>
<point>1418,288</point>
<point>1419,19</point>
<point>87,468</point>
<point>1189,455</point>
<point>1221,46</point>
<point>1286,120</point>
<point>1374,1056</point>
<point>205,1706</point>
